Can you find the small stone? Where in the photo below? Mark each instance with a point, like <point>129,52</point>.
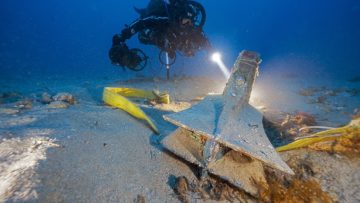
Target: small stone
<point>64,97</point>
<point>9,111</point>
<point>181,188</point>
<point>58,105</point>
<point>182,185</point>
<point>140,199</point>
<point>321,99</point>
<point>339,108</point>
<point>46,98</point>
<point>307,92</point>
<point>10,97</point>
<point>331,93</point>
<point>25,104</point>
<point>353,92</point>
<point>152,102</point>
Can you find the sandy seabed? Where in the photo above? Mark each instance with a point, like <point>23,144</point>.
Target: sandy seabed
<point>90,152</point>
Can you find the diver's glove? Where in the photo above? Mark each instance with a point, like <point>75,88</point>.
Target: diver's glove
<point>117,39</point>
<point>117,53</point>
<point>126,33</point>
<point>120,38</point>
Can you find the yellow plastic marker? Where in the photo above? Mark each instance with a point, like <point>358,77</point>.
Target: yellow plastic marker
<point>327,135</point>
<point>115,96</point>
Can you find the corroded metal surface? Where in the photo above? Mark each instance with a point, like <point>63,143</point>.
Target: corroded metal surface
<point>229,120</point>
<point>234,167</point>
<point>247,135</point>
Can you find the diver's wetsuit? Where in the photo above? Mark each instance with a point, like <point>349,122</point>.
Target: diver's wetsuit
<point>154,8</point>
<point>155,16</point>
<point>139,25</point>
<point>156,21</point>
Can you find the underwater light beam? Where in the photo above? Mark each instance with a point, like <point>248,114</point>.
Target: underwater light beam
<point>216,57</point>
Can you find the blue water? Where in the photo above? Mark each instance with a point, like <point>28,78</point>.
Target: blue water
<point>41,39</point>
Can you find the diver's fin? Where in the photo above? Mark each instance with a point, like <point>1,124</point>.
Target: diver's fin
<point>140,11</point>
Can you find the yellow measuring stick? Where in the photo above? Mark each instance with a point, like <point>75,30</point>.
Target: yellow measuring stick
<point>117,97</point>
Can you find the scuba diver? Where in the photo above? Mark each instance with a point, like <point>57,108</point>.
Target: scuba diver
<point>173,26</point>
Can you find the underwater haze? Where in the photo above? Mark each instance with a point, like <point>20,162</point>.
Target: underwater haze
<point>75,128</point>
<point>63,38</point>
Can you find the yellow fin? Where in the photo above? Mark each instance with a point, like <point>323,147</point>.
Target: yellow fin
<point>116,97</point>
